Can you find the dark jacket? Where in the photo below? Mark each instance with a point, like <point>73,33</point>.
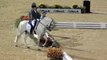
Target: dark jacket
<point>34,15</point>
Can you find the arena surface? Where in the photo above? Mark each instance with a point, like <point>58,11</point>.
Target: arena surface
<point>80,44</point>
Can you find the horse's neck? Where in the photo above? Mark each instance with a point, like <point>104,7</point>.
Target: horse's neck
<point>45,21</point>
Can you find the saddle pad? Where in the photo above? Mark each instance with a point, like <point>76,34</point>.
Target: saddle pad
<point>25,18</point>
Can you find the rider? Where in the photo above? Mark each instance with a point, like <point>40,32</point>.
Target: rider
<point>34,16</point>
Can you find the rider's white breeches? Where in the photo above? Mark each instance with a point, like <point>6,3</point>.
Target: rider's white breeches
<point>33,22</point>
<point>28,27</point>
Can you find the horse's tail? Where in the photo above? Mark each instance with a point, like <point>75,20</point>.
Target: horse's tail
<point>17,22</point>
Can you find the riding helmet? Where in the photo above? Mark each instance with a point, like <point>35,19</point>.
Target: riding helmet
<point>33,5</point>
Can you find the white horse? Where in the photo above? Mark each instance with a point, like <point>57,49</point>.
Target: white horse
<point>45,24</point>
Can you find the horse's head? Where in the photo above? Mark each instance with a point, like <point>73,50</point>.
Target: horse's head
<point>50,23</point>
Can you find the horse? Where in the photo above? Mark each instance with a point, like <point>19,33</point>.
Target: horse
<point>45,24</point>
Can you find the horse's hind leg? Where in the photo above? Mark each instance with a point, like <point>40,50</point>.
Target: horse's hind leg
<point>17,38</point>
<point>25,38</point>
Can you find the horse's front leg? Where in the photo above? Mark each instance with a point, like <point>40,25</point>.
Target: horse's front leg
<point>46,36</point>
<point>50,37</point>
<point>25,38</point>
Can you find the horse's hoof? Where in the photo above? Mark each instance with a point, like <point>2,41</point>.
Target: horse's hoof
<point>38,49</point>
<point>16,45</point>
<point>28,47</point>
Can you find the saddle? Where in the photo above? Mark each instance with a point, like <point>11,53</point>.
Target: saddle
<point>33,23</point>
<point>25,17</point>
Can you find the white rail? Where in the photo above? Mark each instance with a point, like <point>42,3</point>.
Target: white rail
<point>84,25</point>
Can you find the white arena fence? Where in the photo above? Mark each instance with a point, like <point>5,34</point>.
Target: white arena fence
<point>61,10</point>
<point>82,25</point>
